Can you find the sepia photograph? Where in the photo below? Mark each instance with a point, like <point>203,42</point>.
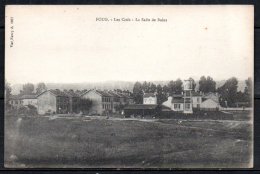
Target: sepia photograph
<point>129,87</point>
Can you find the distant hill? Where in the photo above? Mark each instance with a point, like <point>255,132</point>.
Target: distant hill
<point>109,85</point>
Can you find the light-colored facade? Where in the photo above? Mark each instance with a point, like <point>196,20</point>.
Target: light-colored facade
<point>178,107</point>
<point>210,101</point>
<point>176,103</point>
<point>196,101</point>
<point>96,99</point>
<point>46,103</point>
<point>29,100</point>
<point>209,104</point>
<point>211,95</point>
<point>104,102</point>
<point>101,101</point>
<point>53,101</point>
<point>150,99</point>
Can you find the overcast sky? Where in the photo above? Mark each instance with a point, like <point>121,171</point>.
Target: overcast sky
<point>66,44</point>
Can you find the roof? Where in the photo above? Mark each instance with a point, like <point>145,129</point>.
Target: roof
<point>55,92</point>
<point>114,94</point>
<point>177,100</point>
<point>211,95</point>
<point>149,95</point>
<point>177,95</point>
<point>165,108</point>
<point>124,95</point>
<point>15,97</point>
<point>58,92</point>
<point>80,93</point>
<point>32,96</point>
<point>71,93</point>
<point>104,93</point>
<point>140,106</point>
<point>208,99</point>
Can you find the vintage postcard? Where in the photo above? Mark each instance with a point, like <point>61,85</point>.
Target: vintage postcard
<point>129,86</point>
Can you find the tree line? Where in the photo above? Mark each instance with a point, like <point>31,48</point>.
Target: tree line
<point>229,94</point>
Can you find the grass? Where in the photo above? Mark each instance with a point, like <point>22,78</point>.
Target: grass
<point>94,143</point>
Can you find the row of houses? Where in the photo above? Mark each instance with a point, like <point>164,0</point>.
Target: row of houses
<point>189,101</point>
<point>62,102</point>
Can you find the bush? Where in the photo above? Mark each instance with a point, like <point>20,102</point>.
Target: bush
<point>29,110</point>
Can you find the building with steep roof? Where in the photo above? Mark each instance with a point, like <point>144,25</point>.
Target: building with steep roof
<point>53,101</point>
<point>210,101</point>
<point>102,101</point>
<point>29,100</point>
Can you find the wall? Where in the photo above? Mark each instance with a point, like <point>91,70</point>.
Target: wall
<point>195,101</point>
<point>209,103</point>
<point>168,103</point>
<point>30,102</point>
<point>46,102</point>
<point>107,104</point>
<point>96,102</point>
<point>150,100</point>
<point>176,109</point>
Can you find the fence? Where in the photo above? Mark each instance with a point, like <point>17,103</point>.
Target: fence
<point>236,109</point>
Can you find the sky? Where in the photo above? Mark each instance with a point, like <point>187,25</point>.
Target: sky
<point>66,44</point>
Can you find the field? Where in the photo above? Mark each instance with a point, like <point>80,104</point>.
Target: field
<point>93,142</point>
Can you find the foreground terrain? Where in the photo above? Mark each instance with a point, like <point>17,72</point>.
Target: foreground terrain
<point>94,142</point>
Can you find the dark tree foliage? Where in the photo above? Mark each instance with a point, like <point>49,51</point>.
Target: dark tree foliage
<point>165,90</point>
<point>28,89</point>
<point>138,93</point>
<point>248,91</point>
<point>161,95</point>
<point>228,93</point>
<point>146,87</point>
<point>152,88</point>
<point>207,85</point>
<point>41,87</point>
<point>175,87</point>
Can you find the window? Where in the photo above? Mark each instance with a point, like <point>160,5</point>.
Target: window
<point>198,99</point>
<point>187,106</point>
<point>177,106</point>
